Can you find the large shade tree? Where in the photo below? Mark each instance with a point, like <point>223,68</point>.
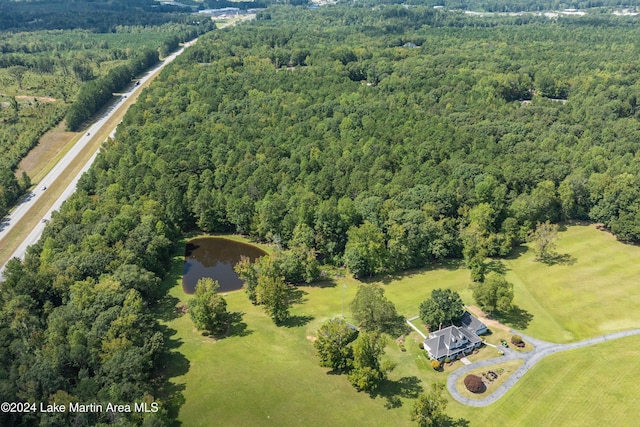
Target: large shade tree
<point>368,368</point>
<point>248,272</point>
<point>208,309</point>
<point>544,238</point>
<point>495,293</point>
<point>372,310</point>
<point>443,307</point>
<point>274,294</point>
<point>428,410</point>
<point>333,344</point>
<point>365,253</point>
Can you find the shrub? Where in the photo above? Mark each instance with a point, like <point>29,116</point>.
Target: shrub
<point>435,364</point>
<point>421,345</point>
<point>447,360</point>
<point>517,341</point>
<point>474,384</point>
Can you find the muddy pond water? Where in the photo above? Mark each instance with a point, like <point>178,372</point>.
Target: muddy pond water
<point>215,257</point>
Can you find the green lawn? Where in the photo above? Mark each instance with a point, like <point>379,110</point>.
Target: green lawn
<point>594,386</point>
<point>265,375</point>
<point>595,291</point>
<point>508,369</point>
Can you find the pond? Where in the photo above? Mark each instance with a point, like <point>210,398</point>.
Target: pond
<point>215,257</point>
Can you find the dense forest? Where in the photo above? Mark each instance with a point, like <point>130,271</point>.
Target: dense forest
<point>98,16</point>
<point>383,139</point>
<point>512,6</point>
<point>47,75</point>
<point>104,16</point>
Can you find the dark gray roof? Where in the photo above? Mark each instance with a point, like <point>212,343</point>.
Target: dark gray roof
<point>471,323</point>
<point>453,339</point>
<point>449,341</point>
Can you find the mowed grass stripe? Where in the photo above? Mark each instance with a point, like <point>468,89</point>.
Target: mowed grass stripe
<point>543,320</point>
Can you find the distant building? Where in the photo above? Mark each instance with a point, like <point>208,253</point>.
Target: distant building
<point>221,11</point>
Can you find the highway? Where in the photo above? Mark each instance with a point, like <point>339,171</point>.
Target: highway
<point>26,207</point>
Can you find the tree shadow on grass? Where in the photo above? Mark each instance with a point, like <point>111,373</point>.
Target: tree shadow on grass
<point>166,308</point>
<point>562,259</point>
<point>496,266</point>
<point>171,363</point>
<point>328,282</point>
<point>449,264</point>
<point>237,328</point>
<point>297,295</point>
<point>297,321</point>
<point>516,317</point>
<point>397,327</point>
<point>517,252</point>
<point>172,400</point>
<point>447,421</point>
<point>392,391</point>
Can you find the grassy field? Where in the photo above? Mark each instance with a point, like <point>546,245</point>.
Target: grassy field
<point>593,386</point>
<point>268,375</point>
<point>265,375</point>
<point>593,291</point>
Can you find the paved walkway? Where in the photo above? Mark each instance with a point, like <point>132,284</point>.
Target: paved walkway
<point>541,349</point>
<point>415,328</point>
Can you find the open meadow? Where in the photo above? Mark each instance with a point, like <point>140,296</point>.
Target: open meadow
<point>267,375</point>
<point>591,290</point>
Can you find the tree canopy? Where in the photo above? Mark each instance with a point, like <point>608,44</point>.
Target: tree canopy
<point>333,344</point>
<point>544,239</point>
<point>372,310</point>
<point>295,129</point>
<point>428,409</point>
<point>443,308</point>
<point>275,296</point>
<point>207,308</point>
<point>495,293</point>
<point>365,253</point>
<point>368,368</point>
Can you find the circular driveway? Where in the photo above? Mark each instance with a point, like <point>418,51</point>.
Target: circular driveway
<point>541,349</point>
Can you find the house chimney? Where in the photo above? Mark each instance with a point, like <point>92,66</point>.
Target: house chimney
<point>440,327</point>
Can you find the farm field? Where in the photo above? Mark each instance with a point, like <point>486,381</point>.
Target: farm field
<point>265,375</point>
